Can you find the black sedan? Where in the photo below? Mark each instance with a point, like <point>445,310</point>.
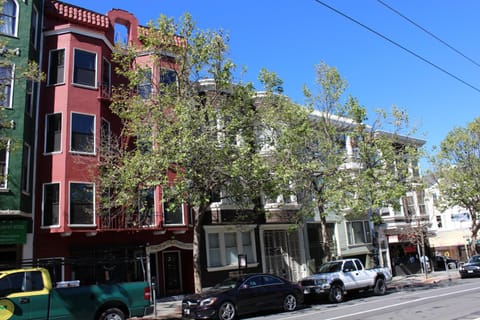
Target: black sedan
<point>442,262</point>
<point>471,268</point>
<point>243,294</point>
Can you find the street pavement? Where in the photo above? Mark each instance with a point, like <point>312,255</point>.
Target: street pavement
<point>170,307</point>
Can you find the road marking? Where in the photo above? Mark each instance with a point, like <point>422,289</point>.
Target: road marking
<point>384,307</point>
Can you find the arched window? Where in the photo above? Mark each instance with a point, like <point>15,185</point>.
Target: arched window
<point>8,18</point>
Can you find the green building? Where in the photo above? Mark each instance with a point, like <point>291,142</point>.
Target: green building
<point>20,42</point>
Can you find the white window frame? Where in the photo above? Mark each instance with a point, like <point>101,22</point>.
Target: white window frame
<point>26,166</point>
<point>11,86</point>
<point>94,218</point>
<point>95,85</point>
<point>46,133</point>
<point>43,204</point>
<point>50,52</point>
<point>5,173</point>
<point>94,133</point>
<point>354,242</point>
<point>221,231</point>
<point>15,32</point>
<point>173,224</point>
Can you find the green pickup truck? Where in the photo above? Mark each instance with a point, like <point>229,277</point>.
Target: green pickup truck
<point>29,294</point>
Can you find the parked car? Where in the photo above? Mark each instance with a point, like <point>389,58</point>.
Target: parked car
<point>442,262</point>
<point>243,294</point>
<point>336,278</point>
<point>471,268</point>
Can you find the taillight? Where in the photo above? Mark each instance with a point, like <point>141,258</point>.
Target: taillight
<point>147,293</point>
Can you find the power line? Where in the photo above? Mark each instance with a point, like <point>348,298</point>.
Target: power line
<point>429,33</point>
<point>398,45</point>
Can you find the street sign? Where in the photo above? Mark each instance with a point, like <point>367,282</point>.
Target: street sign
<point>13,231</point>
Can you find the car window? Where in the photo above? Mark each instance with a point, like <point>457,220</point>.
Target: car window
<point>12,283</point>
<point>269,280</point>
<point>330,267</point>
<point>359,265</point>
<point>349,266</point>
<point>254,282</point>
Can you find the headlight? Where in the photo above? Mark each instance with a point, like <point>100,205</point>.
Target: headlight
<point>320,281</point>
<point>208,302</point>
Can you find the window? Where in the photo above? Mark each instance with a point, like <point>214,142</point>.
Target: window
<point>145,85</point>
<point>439,221</point>
<point>34,27</point>
<point>56,69</point>
<point>105,135</point>
<point>358,232</point>
<point>6,85</point>
<point>51,204</point>
<point>84,69</point>
<point>8,18</point>
<point>26,169</point>
<point>106,78</point>
<point>224,246</point>
<point>21,282</point>
<point>53,133</point>
<point>4,165</point>
<point>82,210</point>
<point>83,133</point>
<point>146,206</point>
<point>30,98</point>
<point>172,214</point>
<point>421,202</point>
<point>168,76</point>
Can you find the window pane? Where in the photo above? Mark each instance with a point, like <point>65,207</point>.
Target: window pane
<point>247,246</point>
<point>172,216</point>
<point>105,135</point>
<point>106,83</point>
<point>231,252</point>
<point>8,18</point>
<point>84,69</point>
<point>6,78</point>
<point>145,86</point>
<point>54,133</point>
<point>213,250</point>
<point>146,206</point>
<point>57,66</point>
<point>81,203</point>
<point>168,76</point>
<point>83,128</point>
<point>51,202</point>
<point>3,167</point>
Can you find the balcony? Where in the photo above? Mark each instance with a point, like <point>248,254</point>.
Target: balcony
<point>123,221</point>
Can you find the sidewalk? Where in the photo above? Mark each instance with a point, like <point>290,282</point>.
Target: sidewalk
<point>420,279</point>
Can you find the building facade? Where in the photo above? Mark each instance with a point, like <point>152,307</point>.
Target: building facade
<point>20,30</point>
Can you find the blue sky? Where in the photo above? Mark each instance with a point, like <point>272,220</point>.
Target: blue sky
<point>290,37</point>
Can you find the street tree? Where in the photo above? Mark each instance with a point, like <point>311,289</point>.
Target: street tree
<point>193,134</point>
<point>321,157</point>
<point>387,164</point>
<point>456,168</point>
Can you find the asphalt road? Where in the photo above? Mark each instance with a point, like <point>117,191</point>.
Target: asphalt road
<point>458,299</point>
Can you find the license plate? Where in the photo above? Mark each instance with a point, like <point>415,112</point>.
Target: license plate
<point>306,291</point>
<point>470,271</point>
<point>186,311</point>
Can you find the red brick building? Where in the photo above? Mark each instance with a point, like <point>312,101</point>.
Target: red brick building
<point>74,121</point>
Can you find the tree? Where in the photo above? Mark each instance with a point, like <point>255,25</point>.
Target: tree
<point>456,168</point>
<point>194,136</point>
<point>387,164</point>
<point>319,170</point>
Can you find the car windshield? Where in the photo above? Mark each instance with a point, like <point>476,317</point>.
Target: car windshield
<point>228,283</point>
<point>334,266</point>
<point>474,259</point>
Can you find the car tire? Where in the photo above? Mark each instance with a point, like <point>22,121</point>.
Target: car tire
<point>290,302</point>
<point>227,311</point>
<point>112,314</point>
<point>380,287</point>
<point>336,294</point>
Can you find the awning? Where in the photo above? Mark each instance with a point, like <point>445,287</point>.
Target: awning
<point>449,238</point>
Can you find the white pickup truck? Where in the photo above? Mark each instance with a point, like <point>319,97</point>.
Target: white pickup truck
<point>336,278</point>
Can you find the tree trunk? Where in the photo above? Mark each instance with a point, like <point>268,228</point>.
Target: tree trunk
<point>327,255</point>
<point>197,228</point>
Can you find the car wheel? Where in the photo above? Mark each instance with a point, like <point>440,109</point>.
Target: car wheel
<point>112,314</point>
<point>290,303</point>
<point>380,287</point>
<point>226,311</point>
<point>336,293</point>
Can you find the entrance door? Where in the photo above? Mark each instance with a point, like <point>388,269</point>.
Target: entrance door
<point>172,273</point>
